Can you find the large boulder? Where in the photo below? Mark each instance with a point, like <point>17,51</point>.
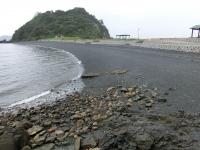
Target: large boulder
<point>7,142</point>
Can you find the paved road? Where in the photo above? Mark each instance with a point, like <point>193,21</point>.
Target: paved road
<point>156,68</point>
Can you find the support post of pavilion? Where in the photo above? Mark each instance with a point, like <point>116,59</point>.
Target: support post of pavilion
<point>192,33</point>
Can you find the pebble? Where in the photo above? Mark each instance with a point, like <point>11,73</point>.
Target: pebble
<point>34,130</point>
<point>38,140</point>
<point>59,133</point>
<point>52,129</point>
<point>95,124</point>
<point>148,104</point>
<point>2,127</point>
<point>124,90</point>
<point>27,147</point>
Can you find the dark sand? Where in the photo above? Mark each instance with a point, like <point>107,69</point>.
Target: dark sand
<point>163,69</point>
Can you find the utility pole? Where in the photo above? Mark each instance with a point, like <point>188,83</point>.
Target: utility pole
<point>138,32</point>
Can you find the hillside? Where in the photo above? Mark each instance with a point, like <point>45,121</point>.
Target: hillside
<point>73,23</point>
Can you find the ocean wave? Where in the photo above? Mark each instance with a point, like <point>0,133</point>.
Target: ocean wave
<point>56,92</point>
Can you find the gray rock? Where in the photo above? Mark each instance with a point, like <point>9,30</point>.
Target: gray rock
<point>26,124</point>
<point>77,143</point>
<point>21,137</point>
<point>39,139</point>
<point>122,141</point>
<point>124,89</point>
<point>51,138</point>
<point>68,144</point>
<point>137,98</point>
<point>144,141</point>
<point>34,130</point>
<point>59,133</point>
<point>154,94</point>
<point>2,127</point>
<point>7,142</point>
<point>88,142</point>
<point>111,90</point>
<point>148,105</point>
<point>26,148</point>
<point>49,146</point>
<point>47,124</point>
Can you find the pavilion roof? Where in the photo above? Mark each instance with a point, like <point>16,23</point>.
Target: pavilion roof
<point>123,35</point>
<point>196,27</point>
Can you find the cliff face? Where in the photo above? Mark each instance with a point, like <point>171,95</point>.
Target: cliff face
<point>73,23</point>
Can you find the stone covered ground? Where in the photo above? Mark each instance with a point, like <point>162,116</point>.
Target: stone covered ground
<point>118,118</point>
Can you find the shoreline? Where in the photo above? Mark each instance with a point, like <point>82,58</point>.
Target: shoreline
<point>112,112</point>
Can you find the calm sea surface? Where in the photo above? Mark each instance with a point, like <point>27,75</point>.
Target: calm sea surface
<point>27,73</point>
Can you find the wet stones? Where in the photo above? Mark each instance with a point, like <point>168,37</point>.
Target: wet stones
<point>79,123</point>
<point>144,141</point>
<point>21,137</point>
<point>50,138</point>
<point>49,146</point>
<point>22,124</point>
<point>39,139</point>
<point>59,133</point>
<point>78,115</point>
<point>27,147</point>
<point>2,127</point>
<point>75,120</point>
<point>88,142</point>
<point>111,90</point>
<point>34,130</point>
<point>47,123</point>
<point>52,129</point>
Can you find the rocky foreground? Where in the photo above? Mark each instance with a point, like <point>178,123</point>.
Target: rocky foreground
<point>120,118</point>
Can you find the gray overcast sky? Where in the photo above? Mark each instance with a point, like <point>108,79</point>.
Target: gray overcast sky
<point>155,18</point>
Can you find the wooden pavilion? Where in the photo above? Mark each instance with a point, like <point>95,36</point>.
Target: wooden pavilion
<point>197,27</point>
<point>123,36</point>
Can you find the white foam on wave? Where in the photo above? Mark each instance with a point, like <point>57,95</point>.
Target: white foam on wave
<point>71,55</point>
<point>61,50</point>
<point>51,94</point>
<point>30,99</point>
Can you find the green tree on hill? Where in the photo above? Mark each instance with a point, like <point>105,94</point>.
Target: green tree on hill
<point>73,23</point>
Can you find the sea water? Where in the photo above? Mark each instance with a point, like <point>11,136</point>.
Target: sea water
<point>32,75</point>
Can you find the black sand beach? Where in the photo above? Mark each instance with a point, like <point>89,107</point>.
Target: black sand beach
<point>155,68</point>
<point>135,98</point>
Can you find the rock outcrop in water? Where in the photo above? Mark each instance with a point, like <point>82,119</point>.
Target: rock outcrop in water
<point>73,23</point>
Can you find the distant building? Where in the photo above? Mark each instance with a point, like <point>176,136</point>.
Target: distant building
<point>196,27</point>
